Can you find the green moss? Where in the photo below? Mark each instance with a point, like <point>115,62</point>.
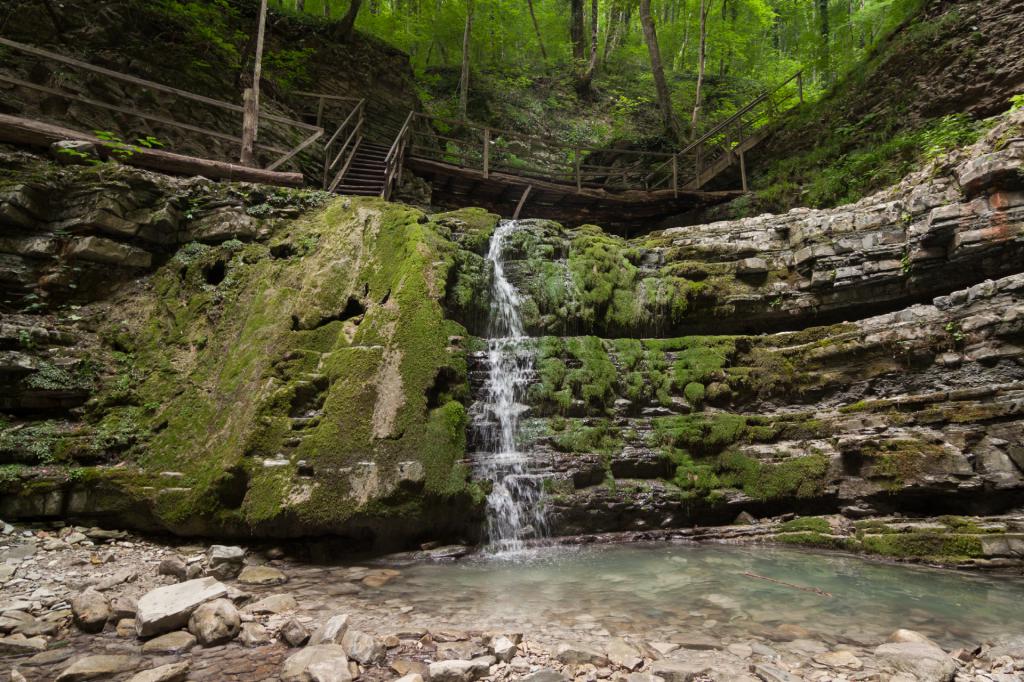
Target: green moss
<point>940,546</point>
<point>814,539</point>
<point>699,433</point>
<point>796,477</point>
<point>600,437</point>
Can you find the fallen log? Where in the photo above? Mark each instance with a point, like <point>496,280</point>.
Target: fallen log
<point>23,131</point>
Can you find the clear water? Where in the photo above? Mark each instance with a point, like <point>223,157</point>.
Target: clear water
<point>659,591</point>
<point>514,509</point>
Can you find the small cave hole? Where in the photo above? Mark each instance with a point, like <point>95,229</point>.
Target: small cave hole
<point>444,383</point>
<point>231,489</point>
<point>308,400</point>
<point>282,250</point>
<point>215,274</point>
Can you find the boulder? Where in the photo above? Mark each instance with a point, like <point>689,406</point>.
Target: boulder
<point>577,654</point>
<point>275,603</point>
<point>361,647</point>
<point>122,608</point>
<point>173,566</point>
<point>459,671</point>
<point>925,661</point>
<point>172,672</point>
<point>320,663</point>
<point>18,645</point>
<point>839,659</point>
<point>261,575</point>
<point>215,622</point>
<point>503,648</point>
<point>108,252</point>
<point>91,611</point>
<point>623,654</point>
<point>294,633</point>
<point>168,608</point>
<point>253,634</point>
<point>172,643</point>
<point>224,562</point>
<point>331,632</point>
<point>98,668</point>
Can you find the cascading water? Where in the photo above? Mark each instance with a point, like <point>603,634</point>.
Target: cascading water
<point>514,509</point>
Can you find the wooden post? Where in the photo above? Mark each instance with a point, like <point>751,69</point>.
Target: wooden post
<point>579,180</point>
<point>522,200</point>
<point>251,114</point>
<point>320,112</point>
<point>487,152</point>
<point>743,171</point>
<point>675,175</point>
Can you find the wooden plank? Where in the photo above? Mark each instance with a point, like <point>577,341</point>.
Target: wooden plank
<point>522,200</point>
<point>23,131</point>
<point>305,143</point>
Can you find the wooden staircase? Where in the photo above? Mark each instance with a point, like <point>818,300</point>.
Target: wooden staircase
<point>366,172</point>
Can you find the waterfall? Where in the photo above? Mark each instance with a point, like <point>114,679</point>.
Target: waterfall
<point>514,510</point>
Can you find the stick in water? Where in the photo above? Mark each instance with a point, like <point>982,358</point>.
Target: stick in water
<point>813,590</point>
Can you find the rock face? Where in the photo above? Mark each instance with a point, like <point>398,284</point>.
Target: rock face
<point>169,608</point>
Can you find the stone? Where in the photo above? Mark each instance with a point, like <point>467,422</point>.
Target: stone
<point>173,566</point>
<point>275,603</point>
<point>577,654</point>
<point>177,642</point>
<point>839,659</point>
<point>457,671</point>
<point>903,635</point>
<point>108,252</point>
<point>98,667</point>
<point>19,645</point>
<point>80,152</point>
<point>126,627</point>
<point>169,608</point>
<point>331,632</point>
<point>123,608</point>
<point>172,672</point>
<point>925,661</point>
<point>771,673</point>
<point>411,677</point>
<point>623,654</point>
<point>253,635</point>
<point>91,611</point>
<point>361,647</point>
<point>320,663</point>
<point>744,519</point>
<point>16,676</point>
<point>224,562</point>
<point>503,648</point>
<point>544,675</point>
<point>215,622</point>
<point>678,671</point>
<point>261,575</point>
<point>294,633</point>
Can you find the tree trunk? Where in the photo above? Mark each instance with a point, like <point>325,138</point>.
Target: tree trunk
<point>251,115</point>
<point>464,78</point>
<point>702,57</point>
<point>576,31</point>
<point>826,57</point>
<point>300,5</point>
<point>660,84</point>
<point>348,22</point>
<point>536,28</point>
<point>585,82</point>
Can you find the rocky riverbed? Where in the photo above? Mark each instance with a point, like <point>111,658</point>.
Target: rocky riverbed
<point>85,603</point>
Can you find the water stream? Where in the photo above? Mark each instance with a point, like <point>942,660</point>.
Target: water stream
<point>514,508</point>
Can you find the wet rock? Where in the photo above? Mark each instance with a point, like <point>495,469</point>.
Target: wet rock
<point>224,562</point>
<point>678,671</point>
<point>253,635</point>
<point>91,611</point>
<point>623,654</point>
<point>925,661</point>
<point>903,635</point>
<point>168,608</point>
<point>405,666</point>
<point>696,641</point>
<point>275,603</point>
<point>460,671</point>
<point>320,663</point>
<point>172,672</point>
<point>215,622</point>
<point>173,566</point>
<point>98,667</point>
<point>362,647</point>
<point>261,575</point>
<point>545,675</point>
<point>177,642</point>
<point>331,632</point>
<point>21,645</point>
<point>294,633</point>
<point>839,659</point>
<point>577,654</point>
<point>771,673</point>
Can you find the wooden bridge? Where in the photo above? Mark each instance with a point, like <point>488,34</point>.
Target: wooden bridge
<point>324,140</point>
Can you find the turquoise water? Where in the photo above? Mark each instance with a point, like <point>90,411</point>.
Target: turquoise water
<point>658,591</point>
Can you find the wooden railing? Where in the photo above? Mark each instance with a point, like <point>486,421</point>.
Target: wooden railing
<point>725,143</point>
<point>395,159</point>
<point>310,133</point>
<point>350,132</point>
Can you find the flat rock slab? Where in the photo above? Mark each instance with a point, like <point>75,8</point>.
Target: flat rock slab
<point>925,661</point>
<point>318,663</point>
<point>172,643</point>
<point>168,608</point>
<point>275,603</point>
<point>261,575</point>
<point>172,672</point>
<point>98,668</point>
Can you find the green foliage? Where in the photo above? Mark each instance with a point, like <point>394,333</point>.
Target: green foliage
<point>1017,102</point>
<point>694,393</point>
<point>808,523</point>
